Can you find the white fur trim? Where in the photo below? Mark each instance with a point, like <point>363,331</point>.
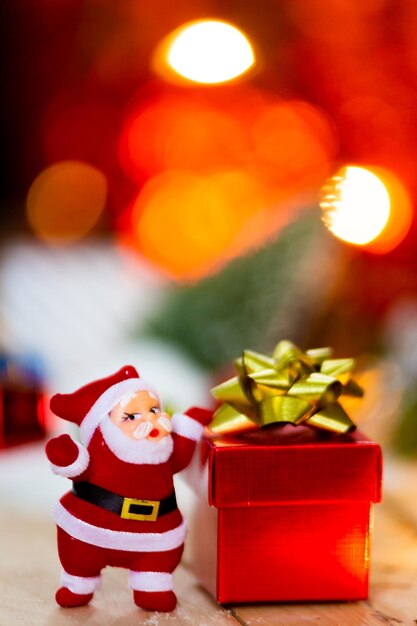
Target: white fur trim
<point>107,401</point>
<point>80,584</point>
<point>187,427</point>
<point>150,581</point>
<point>77,467</point>
<point>117,539</point>
<point>140,452</point>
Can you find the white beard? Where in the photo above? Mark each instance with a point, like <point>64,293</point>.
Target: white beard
<point>140,452</point>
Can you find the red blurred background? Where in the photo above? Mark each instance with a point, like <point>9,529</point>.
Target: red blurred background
<point>187,176</point>
<point>336,83</point>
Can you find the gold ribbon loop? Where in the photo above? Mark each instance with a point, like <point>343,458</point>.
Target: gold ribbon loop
<point>319,354</point>
<point>289,386</point>
<point>256,362</point>
<point>332,418</point>
<point>284,409</point>
<point>233,390</point>
<point>321,390</point>
<point>227,419</point>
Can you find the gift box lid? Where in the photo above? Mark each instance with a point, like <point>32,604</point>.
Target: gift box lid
<point>287,464</point>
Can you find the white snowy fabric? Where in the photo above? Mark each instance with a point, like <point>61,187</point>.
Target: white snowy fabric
<point>80,584</point>
<point>140,452</point>
<point>150,581</point>
<point>116,539</point>
<point>77,467</point>
<point>187,427</point>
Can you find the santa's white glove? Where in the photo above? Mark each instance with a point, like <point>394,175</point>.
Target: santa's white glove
<point>61,450</point>
<point>67,457</point>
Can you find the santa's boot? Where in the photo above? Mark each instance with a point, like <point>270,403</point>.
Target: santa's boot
<point>152,591</point>
<point>66,598</point>
<point>76,590</point>
<point>164,601</point>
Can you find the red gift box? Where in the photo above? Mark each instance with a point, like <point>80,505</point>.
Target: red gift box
<point>284,514</point>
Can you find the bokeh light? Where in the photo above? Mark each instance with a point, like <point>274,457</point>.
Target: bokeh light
<point>367,206</point>
<point>356,205</point>
<point>293,142</point>
<point>181,133</point>
<point>187,223</point>
<point>400,217</point>
<point>65,201</point>
<point>206,51</point>
<point>233,162</point>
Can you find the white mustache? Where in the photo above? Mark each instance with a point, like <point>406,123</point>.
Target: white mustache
<point>165,422</point>
<point>143,430</point>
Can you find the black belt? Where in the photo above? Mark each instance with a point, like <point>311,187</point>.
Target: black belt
<point>127,508</point>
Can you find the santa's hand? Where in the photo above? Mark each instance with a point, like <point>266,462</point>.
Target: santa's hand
<point>67,457</point>
<point>202,416</point>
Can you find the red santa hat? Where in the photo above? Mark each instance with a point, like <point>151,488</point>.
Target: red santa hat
<point>88,405</point>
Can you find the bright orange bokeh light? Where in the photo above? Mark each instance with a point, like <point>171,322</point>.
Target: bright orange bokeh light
<point>65,201</point>
<point>368,207</point>
<point>218,172</point>
<point>400,217</point>
<point>179,133</point>
<point>187,224</point>
<point>294,143</point>
<point>204,51</point>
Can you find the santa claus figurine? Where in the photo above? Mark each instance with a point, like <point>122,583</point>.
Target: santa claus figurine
<point>122,509</point>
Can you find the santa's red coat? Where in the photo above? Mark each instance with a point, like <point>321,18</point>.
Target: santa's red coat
<point>97,526</point>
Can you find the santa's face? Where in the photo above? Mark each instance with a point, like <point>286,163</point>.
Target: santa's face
<point>140,417</point>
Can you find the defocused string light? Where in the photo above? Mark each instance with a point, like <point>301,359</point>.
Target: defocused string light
<point>356,205</point>
<point>400,217</point>
<point>366,207</point>
<point>181,133</point>
<point>206,51</point>
<point>187,223</point>
<point>65,201</point>
<point>219,172</point>
<point>294,142</point>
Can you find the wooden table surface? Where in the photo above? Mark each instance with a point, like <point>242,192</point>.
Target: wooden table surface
<point>29,571</point>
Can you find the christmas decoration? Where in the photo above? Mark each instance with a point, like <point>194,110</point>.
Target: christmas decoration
<point>290,386</point>
<point>122,508</point>
<point>284,488</point>
<point>285,515</point>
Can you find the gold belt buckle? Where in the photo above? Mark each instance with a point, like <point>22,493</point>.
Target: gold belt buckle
<point>148,517</point>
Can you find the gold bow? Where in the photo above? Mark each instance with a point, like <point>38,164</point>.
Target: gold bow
<point>290,386</point>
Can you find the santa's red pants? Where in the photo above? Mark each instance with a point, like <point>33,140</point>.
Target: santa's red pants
<point>82,564</point>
